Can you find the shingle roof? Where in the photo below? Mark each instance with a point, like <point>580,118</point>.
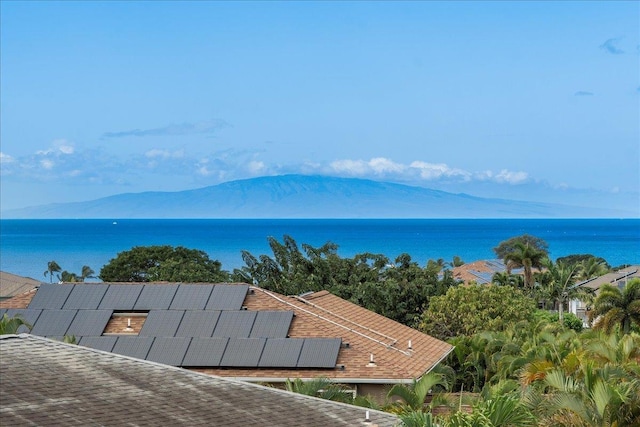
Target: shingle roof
<point>12,285</point>
<point>46,382</point>
<point>351,334</point>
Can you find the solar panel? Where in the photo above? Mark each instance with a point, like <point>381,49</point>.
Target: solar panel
<point>120,297</point>
<point>281,353</point>
<point>89,323</point>
<point>137,347</point>
<point>319,353</point>
<point>235,324</point>
<point>191,297</point>
<point>227,297</point>
<point>157,297</point>
<point>28,315</point>
<point>86,297</point>
<point>271,324</point>
<point>51,296</point>
<point>161,323</point>
<point>2,311</point>
<point>53,322</point>
<point>168,350</point>
<point>99,343</point>
<point>200,323</point>
<point>205,352</point>
<point>243,352</point>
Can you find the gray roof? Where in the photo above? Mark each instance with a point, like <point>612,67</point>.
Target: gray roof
<point>616,278</point>
<point>46,382</point>
<point>12,285</point>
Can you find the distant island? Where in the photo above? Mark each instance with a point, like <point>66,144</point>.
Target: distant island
<point>302,196</point>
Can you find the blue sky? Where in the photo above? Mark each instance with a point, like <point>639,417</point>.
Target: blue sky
<point>525,100</point>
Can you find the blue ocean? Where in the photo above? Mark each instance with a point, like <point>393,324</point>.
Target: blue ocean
<point>27,245</point>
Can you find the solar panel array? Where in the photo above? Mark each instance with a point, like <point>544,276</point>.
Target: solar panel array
<point>198,352</point>
<point>185,325</point>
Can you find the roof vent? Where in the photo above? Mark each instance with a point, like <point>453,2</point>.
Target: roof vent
<point>346,345</point>
<point>372,362</point>
<point>367,418</point>
<point>128,328</point>
<point>409,346</point>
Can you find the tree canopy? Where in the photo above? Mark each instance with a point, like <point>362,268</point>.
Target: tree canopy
<point>163,263</point>
<point>510,245</point>
<point>466,310</point>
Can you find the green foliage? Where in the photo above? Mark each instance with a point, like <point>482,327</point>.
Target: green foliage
<point>399,290</point>
<point>163,263</point>
<point>414,395</point>
<point>508,246</point>
<point>466,310</point>
<point>615,307</point>
<point>322,388</point>
<point>570,320</point>
<point>10,325</point>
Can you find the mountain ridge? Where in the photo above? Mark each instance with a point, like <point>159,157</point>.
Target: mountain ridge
<point>305,196</point>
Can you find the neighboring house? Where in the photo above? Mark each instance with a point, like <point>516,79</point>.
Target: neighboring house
<point>46,382</point>
<point>12,285</point>
<point>618,278</point>
<point>238,331</point>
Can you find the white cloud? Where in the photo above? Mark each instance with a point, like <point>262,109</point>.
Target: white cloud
<point>5,158</point>
<point>349,167</point>
<point>47,164</point>
<point>256,167</point>
<point>510,177</point>
<point>164,154</point>
<point>433,171</point>
<point>380,165</point>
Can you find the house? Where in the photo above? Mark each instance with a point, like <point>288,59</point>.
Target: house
<point>237,331</point>
<point>617,278</point>
<point>47,382</point>
<point>12,285</point>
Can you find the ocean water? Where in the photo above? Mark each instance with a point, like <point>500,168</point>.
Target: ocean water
<point>27,245</point>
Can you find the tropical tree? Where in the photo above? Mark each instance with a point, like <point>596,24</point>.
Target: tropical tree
<point>510,245</point>
<point>87,273</point>
<point>466,310</point>
<point>52,267</point>
<point>163,263</point>
<point>413,396</point>
<point>526,257</point>
<point>557,283</point>
<point>617,307</point>
<point>10,325</point>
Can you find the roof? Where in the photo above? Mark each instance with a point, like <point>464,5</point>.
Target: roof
<point>12,285</point>
<point>617,278</point>
<point>481,272</point>
<point>46,382</point>
<point>260,336</point>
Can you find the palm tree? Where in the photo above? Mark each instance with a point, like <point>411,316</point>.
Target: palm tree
<point>52,267</point>
<point>415,394</point>
<point>87,273</point>
<point>527,257</point>
<point>614,306</point>
<point>558,282</point>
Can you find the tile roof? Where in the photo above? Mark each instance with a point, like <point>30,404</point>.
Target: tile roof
<point>45,382</point>
<point>481,272</point>
<point>321,315</point>
<point>12,285</point>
